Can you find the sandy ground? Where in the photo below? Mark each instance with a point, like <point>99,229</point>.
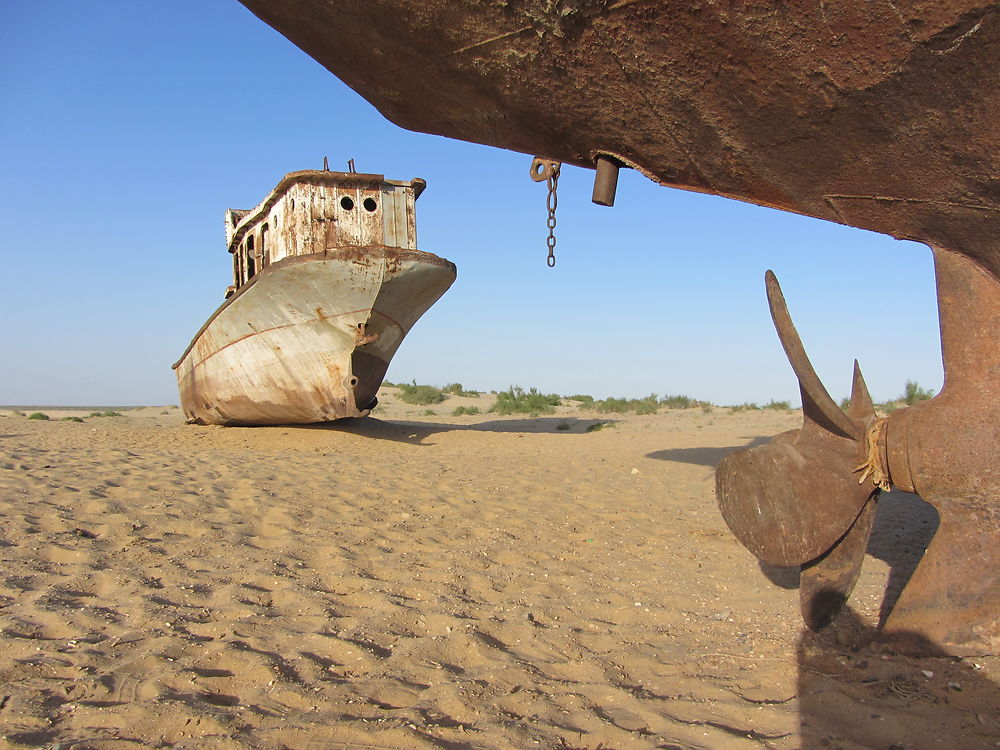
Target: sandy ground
<point>423,580</point>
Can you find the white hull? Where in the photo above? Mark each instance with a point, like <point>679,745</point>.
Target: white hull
<point>310,337</point>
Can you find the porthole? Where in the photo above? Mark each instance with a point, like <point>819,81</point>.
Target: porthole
<point>346,203</point>
<point>369,204</point>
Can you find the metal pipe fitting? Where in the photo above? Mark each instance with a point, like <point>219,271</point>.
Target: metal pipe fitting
<point>605,181</point>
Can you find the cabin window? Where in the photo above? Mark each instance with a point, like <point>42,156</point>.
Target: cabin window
<point>251,261</point>
<point>236,268</point>
<point>369,204</point>
<point>347,203</point>
<point>264,259</point>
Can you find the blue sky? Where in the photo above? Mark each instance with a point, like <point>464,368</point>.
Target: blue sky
<point>129,127</point>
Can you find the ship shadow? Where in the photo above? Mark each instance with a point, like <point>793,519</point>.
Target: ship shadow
<point>706,456</point>
<point>415,432</point>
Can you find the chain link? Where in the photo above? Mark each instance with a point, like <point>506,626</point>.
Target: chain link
<point>551,201</point>
<point>548,170</point>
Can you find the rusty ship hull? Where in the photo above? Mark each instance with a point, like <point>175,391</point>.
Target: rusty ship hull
<point>327,280</point>
<point>309,339</point>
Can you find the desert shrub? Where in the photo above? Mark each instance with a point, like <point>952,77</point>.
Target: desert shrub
<point>912,393</point>
<point>678,402</point>
<point>613,405</point>
<point>38,415</point>
<point>429,412</point>
<point>71,419</point>
<point>110,414</point>
<point>745,406</point>
<point>778,405</point>
<point>420,395</point>
<point>585,401</point>
<point>460,410</point>
<point>515,400</point>
<point>706,407</point>
<point>648,405</point>
<point>456,389</point>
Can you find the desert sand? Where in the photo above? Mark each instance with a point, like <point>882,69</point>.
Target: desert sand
<point>418,580</point>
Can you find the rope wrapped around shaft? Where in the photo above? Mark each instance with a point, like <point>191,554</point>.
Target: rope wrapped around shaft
<point>874,465</point>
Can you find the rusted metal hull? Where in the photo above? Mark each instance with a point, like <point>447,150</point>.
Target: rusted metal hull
<point>879,115</point>
<point>309,338</point>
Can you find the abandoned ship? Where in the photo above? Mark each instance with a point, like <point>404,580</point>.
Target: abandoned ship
<point>327,280</point>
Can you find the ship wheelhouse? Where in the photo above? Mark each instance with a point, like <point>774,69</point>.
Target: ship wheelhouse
<point>313,211</point>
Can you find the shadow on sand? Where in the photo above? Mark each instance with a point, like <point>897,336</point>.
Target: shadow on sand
<point>416,432</point>
<point>856,691</point>
<point>705,456</point>
<point>859,690</point>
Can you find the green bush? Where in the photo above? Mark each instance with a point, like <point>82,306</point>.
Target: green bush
<point>778,405</point>
<point>678,402</point>
<point>585,401</point>
<point>456,389</point>
<point>913,393</point>
<point>613,405</point>
<point>745,406</point>
<point>110,414</point>
<point>420,395</point>
<point>71,419</point>
<point>38,415</point>
<point>648,405</point>
<point>515,400</point>
<point>460,410</point>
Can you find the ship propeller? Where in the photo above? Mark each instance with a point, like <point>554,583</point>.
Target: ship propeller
<point>797,500</point>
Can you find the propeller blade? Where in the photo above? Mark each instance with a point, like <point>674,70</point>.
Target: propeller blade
<point>827,582</point>
<point>792,499</point>
<point>822,408</point>
<point>862,407</point>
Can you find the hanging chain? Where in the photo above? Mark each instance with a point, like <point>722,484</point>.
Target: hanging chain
<point>551,201</point>
<point>548,170</point>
